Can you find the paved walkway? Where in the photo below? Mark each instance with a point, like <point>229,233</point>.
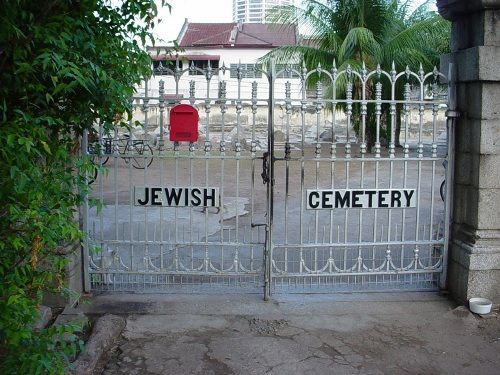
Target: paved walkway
<point>377,333</point>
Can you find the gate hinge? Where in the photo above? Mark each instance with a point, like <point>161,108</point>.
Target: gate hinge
<point>452,114</point>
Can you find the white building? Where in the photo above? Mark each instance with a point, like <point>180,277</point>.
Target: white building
<point>218,45</point>
<point>255,11</point>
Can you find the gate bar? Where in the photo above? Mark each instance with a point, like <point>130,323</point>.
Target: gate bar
<point>268,250</point>
<point>85,217</point>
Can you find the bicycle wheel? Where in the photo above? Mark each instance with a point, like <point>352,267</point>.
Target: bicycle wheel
<point>145,155</point>
<point>442,189</point>
<point>104,160</point>
<point>93,177</point>
<point>107,149</point>
<point>98,153</point>
<point>95,159</point>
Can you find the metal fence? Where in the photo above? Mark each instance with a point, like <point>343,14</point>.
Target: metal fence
<point>286,189</point>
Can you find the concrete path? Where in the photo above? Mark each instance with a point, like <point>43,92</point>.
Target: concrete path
<point>397,333</point>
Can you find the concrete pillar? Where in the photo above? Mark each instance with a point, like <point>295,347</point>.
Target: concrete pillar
<point>474,255</point>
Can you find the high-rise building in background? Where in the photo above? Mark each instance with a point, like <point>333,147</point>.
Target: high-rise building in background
<point>255,11</point>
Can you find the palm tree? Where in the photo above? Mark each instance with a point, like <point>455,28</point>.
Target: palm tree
<point>372,33</point>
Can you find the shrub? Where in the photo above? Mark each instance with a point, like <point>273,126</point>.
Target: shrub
<point>64,65</point>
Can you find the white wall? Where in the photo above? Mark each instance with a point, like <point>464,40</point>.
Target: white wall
<point>233,90</point>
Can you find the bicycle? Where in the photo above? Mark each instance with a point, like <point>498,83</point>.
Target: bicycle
<point>100,151</point>
<point>125,146</point>
<point>141,147</point>
<point>94,150</point>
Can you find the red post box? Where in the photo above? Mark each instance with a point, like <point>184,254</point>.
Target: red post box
<point>183,123</point>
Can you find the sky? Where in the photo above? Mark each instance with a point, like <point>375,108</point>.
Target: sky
<point>196,11</point>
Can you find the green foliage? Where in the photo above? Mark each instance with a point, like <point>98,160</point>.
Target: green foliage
<point>376,32</point>
<point>64,65</point>
<point>370,32</point>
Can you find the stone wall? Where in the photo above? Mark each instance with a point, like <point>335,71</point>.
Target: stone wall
<point>474,262</point>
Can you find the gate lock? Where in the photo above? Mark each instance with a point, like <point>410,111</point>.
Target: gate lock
<point>265,168</point>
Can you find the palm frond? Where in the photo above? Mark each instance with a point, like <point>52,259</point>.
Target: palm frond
<point>425,36</point>
<point>376,32</point>
<point>422,12</point>
<point>298,55</point>
<point>361,44</point>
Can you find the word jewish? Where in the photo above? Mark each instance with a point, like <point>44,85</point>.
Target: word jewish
<point>176,196</point>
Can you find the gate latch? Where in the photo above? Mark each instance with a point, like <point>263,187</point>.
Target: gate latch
<point>265,168</point>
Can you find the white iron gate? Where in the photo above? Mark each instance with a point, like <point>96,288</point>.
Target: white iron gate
<point>285,190</point>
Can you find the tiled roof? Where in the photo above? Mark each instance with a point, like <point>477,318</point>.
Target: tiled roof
<point>190,57</point>
<point>269,34</point>
<point>229,35</point>
<point>208,34</point>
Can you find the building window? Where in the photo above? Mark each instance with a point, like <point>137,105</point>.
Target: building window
<point>164,67</point>
<point>287,74</point>
<point>248,70</point>
<point>203,65</point>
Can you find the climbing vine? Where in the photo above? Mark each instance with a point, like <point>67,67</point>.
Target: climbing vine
<point>64,64</point>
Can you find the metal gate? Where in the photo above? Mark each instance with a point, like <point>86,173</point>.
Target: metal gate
<point>286,189</point>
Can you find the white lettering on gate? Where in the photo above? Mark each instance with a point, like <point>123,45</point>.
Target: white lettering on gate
<point>360,198</point>
<point>176,196</point>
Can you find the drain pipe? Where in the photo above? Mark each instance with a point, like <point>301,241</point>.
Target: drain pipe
<point>451,115</point>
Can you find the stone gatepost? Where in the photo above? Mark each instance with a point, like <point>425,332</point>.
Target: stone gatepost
<point>474,251</point>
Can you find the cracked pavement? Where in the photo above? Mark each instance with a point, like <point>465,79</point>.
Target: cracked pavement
<point>403,333</point>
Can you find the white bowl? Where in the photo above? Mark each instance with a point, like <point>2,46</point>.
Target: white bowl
<point>480,305</point>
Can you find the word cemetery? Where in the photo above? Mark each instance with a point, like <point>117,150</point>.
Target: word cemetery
<point>361,198</point>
